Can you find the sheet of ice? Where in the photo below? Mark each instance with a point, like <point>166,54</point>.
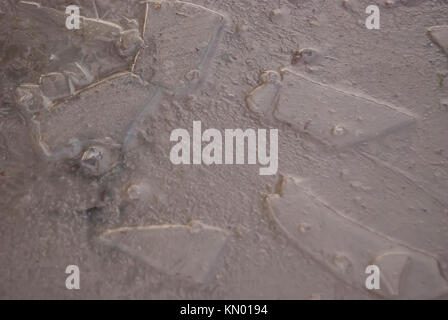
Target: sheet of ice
<point>189,251</point>
<point>439,34</point>
<point>106,110</point>
<point>128,14</point>
<point>347,247</point>
<point>180,40</point>
<point>64,60</point>
<point>334,116</point>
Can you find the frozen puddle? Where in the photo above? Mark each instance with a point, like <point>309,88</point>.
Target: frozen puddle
<point>334,116</point>
<point>189,251</point>
<point>106,110</point>
<point>347,247</point>
<point>72,58</point>
<point>180,40</point>
<point>83,102</point>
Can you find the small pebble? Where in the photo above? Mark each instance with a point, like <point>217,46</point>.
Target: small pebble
<point>337,130</point>
<point>96,160</point>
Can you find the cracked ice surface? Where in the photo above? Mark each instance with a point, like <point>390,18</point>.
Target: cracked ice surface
<point>107,110</point>
<point>129,14</point>
<point>380,199</point>
<point>40,44</point>
<point>96,116</point>
<point>346,247</point>
<point>181,38</point>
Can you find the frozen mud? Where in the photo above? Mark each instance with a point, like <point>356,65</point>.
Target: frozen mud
<point>86,178</point>
<point>346,246</point>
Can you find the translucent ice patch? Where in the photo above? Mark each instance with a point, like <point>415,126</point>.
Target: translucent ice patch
<point>189,251</point>
<point>439,34</point>
<point>126,13</point>
<point>382,197</point>
<point>347,247</point>
<point>30,99</point>
<point>55,86</point>
<point>180,41</point>
<point>334,116</point>
<point>105,110</point>
<point>37,36</point>
<point>78,76</point>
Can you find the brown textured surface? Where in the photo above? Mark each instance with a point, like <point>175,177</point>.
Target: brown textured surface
<point>378,196</point>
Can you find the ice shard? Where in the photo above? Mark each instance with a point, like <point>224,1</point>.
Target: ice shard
<point>334,116</point>
<point>346,247</point>
<point>439,34</point>
<point>107,110</point>
<point>180,40</point>
<point>190,251</point>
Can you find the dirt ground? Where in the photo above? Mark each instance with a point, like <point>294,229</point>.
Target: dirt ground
<point>85,171</point>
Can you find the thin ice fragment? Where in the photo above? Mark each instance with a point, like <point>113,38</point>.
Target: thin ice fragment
<point>190,251</point>
<point>126,13</point>
<point>106,110</point>
<point>55,86</point>
<point>439,34</point>
<point>29,97</point>
<point>347,247</point>
<point>334,116</point>
<point>181,39</point>
<point>37,36</point>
